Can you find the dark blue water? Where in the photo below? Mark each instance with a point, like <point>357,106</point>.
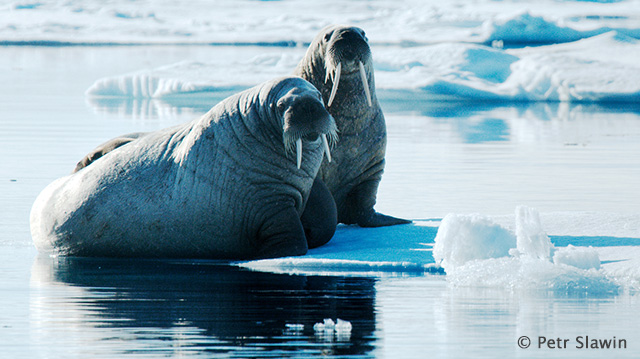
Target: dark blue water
<point>168,308</point>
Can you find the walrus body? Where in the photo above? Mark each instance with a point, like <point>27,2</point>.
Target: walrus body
<point>224,186</point>
<point>339,64</point>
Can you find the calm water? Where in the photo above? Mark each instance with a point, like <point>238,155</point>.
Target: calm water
<point>442,157</point>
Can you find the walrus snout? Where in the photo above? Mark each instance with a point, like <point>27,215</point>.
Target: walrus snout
<point>306,119</point>
<point>350,45</point>
<point>347,50</point>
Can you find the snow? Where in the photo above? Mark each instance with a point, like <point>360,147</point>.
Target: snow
<point>534,263</point>
<point>579,71</point>
<point>405,22</point>
<point>426,49</point>
<point>452,244</point>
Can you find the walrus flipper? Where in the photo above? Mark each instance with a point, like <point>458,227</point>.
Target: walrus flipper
<point>282,236</point>
<point>358,208</point>
<point>376,219</point>
<point>105,148</point>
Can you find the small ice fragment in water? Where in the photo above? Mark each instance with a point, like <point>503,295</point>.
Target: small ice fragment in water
<point>295,327</point>
<point>343,326</point>
<point>327,329</point>
<point>328,326</point>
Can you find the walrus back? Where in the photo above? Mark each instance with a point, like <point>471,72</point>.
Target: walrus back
<point>127,204</point>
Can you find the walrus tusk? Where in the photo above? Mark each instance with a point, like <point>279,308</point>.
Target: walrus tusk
<point>365,83</point>
<point>299,152</point>
<point>327,152</point>
<point>336,80</point>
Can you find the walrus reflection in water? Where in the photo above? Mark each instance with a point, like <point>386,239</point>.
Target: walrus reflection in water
<point>232,184</point>
<point>339,64</point>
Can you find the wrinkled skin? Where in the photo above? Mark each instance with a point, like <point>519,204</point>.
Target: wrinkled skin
<point>223,186</point>
<point>358,158</point>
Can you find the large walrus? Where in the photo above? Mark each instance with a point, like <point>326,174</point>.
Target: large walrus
<point>339,64</point>
<point>231,185</point>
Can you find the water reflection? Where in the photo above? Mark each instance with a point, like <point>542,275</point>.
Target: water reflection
<point>166,307</point>
<point>474,122</point>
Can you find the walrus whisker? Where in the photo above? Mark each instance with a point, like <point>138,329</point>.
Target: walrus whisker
<point>299,152</point>
<point>327,151</point>
<point>336,80</point>
<point>365,83</point>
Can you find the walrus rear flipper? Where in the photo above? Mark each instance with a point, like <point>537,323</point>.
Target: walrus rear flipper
<point>105,148</point>
<point>282,236</point>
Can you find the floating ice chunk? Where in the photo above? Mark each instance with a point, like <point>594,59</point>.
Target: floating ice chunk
<point>579,257</point>
<point>327,329</point>
<point>531,239</point>
<point>327,326</point>
<point>295,327</point>
<point>525,28</point>
<point>463,238</point>
<point>475,251</point>
<point>343,326</point>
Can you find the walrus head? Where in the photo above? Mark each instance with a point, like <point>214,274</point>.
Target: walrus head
<point>305,120</point>
<point>343,52</point>
<point>346,52</point>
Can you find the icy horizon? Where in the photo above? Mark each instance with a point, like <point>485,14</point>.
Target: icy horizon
<point>552,51</point>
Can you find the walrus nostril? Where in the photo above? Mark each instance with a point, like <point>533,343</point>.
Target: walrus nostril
<point>311,137</point>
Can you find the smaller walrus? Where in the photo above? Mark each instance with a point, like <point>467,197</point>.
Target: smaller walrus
<point>230,185</point>
<point>339,64</point>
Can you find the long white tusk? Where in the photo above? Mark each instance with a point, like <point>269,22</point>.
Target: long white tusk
<point>327,152</point>
<point>336,80</point>
<point>299,152</point>
<point>365,83</point>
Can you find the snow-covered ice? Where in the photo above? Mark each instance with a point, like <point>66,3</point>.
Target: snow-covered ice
<point>533,263</point>
<point>407,22</point>
<point>524,251</point>
<point>579,71</point>
<point>483,50</point>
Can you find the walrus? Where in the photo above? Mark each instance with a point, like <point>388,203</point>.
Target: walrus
<point>339,64</point>
<point>230,185</point>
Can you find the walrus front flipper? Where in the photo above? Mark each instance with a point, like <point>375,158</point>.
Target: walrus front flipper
<point>376,219</point>
<point>358,207</point>
<point>282,236</point>
<point>105,148</point>
<point>320,216</point>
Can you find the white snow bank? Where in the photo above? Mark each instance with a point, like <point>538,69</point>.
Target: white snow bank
<point>597,69</point>
<point>227,72</point>
<point>525,28</point>
<point>533,263</point>
<point>297,21</point>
